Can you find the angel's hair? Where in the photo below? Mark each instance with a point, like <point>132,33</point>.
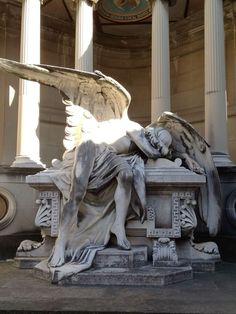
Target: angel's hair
<point>156,135</point>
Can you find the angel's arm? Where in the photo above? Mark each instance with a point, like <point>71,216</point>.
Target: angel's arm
<point>138,137</point>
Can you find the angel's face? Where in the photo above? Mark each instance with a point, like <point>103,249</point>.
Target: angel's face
<point>159,138</point>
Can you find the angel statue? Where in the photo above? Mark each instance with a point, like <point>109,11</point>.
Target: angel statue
<point>101,176</point>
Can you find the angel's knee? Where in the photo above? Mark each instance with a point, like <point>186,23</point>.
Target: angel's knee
<point>125,177</point>
<point>68,210</point>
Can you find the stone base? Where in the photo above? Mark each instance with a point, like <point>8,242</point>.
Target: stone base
<point>27,262</point>
<point>28,259</point>
<point>205,265</point>
<point>141,276</point>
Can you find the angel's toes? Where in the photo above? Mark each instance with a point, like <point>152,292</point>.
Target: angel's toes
<point>57,259</point>
<point>124,244</point>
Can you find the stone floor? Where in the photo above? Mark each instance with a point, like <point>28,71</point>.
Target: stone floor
<point>212,293</point>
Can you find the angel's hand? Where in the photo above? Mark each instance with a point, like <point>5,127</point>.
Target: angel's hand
<point>193,165</point>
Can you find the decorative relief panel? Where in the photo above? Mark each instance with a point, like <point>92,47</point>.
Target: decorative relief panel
<point>164,249</point>
<point>168,213</point>
<point>48,214</point>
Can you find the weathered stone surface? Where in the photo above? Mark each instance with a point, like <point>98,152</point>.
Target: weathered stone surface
<point>206,266</point>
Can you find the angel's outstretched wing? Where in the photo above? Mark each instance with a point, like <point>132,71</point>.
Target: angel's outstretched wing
<point>191,147</point>
<point>104,97</point>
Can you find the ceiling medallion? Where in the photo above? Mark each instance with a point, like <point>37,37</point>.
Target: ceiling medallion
<point>123,11</point>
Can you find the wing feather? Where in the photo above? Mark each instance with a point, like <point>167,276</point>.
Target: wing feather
<point>186,140</point>
<point>97,93</point>
<point>82,88</point>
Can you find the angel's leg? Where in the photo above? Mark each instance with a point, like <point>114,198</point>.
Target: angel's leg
<point>83,165</point>
<point>122,200</point>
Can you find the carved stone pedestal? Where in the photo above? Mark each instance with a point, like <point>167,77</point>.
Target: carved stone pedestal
<point>30,253</point>
<point>165,253</point>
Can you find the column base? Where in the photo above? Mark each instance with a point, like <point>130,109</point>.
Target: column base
<point>26,162</point>
<point>222,160</point>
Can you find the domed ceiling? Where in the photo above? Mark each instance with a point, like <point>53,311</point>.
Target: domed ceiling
<point>124,11</point>
<point>119,22</point>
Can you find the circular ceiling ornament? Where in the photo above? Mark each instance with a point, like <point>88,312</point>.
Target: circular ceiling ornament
<point>123,11</point>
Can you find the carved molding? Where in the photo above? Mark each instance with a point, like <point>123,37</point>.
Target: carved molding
<point>183,216</point>
<point>172,232</point>
<point>10,208</point>
<point>49,211</point>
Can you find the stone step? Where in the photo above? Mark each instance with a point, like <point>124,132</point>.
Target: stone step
<point>140,276</point>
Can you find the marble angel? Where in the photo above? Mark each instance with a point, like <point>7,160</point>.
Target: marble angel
<point>101,176</point>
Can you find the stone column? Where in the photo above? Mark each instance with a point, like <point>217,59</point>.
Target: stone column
<point>160,58</point>
<point>29,92</point>
<point>84,35</point>
<point>215,85</point>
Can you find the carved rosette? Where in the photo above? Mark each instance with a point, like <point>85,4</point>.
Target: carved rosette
<point>48,212</point>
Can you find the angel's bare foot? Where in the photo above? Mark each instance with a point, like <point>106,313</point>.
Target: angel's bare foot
<point>122,241</point>
<point>57,258</point>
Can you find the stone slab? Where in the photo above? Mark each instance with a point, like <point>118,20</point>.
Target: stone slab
<point>172,176</point>
<point>141,276</point>
<point>27,262</point>
<point>205,265</point>
<point>110,257</point>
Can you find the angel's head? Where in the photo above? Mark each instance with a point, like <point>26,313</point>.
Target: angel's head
<point>159,138</point>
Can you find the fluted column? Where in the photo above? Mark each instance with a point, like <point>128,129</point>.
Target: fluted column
<point>29,92</point>
<point>160,58</point>
<point>215,85</point>
<point>84,35</point>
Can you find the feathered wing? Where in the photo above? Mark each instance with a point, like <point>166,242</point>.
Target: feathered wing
<point>101,95</point>
<point>187,142</point>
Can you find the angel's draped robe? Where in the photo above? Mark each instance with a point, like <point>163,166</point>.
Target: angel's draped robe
<point>91,227</point>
